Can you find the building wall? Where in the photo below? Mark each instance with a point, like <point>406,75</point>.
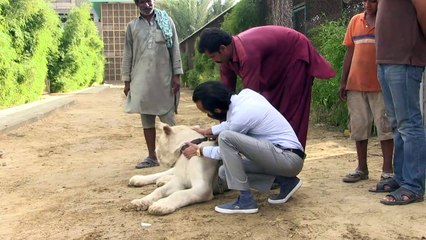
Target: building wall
<point>64,6</point>
<point>311,13</point>
<point>115,17</point>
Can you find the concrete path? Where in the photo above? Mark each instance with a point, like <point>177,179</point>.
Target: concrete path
<point>15,117</point>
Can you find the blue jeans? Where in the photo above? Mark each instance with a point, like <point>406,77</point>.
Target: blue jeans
<point>400,87</point>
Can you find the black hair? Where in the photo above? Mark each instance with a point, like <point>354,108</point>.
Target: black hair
<point>212,38</point>
<point>212,94</point>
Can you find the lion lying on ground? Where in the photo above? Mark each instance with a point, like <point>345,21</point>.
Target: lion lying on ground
<point>189,181</point>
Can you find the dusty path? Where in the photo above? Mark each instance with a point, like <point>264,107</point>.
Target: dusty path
<point>65,177</point>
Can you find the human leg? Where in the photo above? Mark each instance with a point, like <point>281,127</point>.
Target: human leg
<point>360,123</point>
<point>148,124</point>
<point>168,118</point>
<point>386,183</point>
<point>150,136</point>
<point>387,152</point>
<point>384,131</point>
<point>400,86</point>
<point>266,159</point>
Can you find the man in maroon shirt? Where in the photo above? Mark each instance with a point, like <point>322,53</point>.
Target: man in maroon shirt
<point>278,62</point>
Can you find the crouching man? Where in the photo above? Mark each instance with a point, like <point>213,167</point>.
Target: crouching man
<point>255,142</point>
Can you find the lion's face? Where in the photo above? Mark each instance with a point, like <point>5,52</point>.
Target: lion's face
<point>170,142</point>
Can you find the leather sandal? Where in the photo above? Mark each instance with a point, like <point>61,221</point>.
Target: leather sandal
<point>355,176</point>
<point>398,197</point>
<point>386,185</point>
<point>147,163</point>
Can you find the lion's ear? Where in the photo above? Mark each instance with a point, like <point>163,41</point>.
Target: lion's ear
<point>160,125</point>
<point>167,129</point>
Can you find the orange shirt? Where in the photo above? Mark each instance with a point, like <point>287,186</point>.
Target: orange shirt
<point>363,71</point>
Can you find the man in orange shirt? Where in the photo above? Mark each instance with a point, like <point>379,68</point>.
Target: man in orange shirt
<point>360,87</point>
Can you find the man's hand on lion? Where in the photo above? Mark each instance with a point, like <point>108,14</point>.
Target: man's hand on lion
<point>206,132</point>
<point>191,151</point>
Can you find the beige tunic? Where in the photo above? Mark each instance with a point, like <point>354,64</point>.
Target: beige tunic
<point>149,66</point>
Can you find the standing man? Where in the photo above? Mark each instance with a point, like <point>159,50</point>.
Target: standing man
<point>277,62</point>
<point>360,87</point>
<point>151,72</point>
<point>253,128</point>
<point>401,56</point>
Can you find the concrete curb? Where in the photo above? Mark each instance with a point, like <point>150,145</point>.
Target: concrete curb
<point>15,117</point>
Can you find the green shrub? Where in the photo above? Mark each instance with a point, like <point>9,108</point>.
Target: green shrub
<point>28,32</point>
<point>204,69</point>
<point>326,105</point>
<point>80,60</point>
<point>246,14</point>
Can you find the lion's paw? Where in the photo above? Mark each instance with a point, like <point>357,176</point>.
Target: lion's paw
<point>141,204</point>
<point>159,209</point>
<point>138,181</point>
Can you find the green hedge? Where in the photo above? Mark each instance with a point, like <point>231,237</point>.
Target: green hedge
<point>28,32</point>
<point>80,60</point>
<point>35,46</point>
<point>326,105</point>
<point>246,14</point>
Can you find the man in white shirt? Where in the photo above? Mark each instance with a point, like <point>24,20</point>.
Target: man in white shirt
<point>253,139</point>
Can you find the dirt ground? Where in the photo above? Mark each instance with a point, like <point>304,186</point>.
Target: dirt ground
<point>65,177</point>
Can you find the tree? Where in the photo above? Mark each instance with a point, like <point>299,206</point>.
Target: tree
<point>281,12</point>
<point>191,15</point>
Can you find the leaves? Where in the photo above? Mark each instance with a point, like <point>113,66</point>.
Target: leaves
<point>326,104</point>
<point>80,61</point>
<point>191,15</point>
<point>27,34</point>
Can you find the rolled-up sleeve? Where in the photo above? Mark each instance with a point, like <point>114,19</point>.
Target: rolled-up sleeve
<point>212,152</point>
<point>217,129</point>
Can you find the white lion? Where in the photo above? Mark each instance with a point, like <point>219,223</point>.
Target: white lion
<point>189,181</point>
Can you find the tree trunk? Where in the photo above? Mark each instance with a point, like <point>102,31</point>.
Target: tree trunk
<point>280,12</point>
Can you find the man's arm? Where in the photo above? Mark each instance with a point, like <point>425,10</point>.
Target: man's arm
<point>228,77</point>
<point>345,72</point>
<point>420,6</point>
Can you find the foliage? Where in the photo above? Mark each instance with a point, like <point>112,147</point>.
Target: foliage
<point>246,14</point>
<point>28,31</point>
<point>204,69</point>
<point>80,61</point>
<point>191,15</point>
<point>326,104</point>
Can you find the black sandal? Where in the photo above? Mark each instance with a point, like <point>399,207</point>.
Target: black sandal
<point>147,163</point>
<point>386,185</point>
<point>398,196</point>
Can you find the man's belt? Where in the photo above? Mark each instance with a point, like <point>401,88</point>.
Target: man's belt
<point>298,152</point>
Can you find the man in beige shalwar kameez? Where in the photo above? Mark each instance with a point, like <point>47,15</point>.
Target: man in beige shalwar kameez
<point>151,72</point>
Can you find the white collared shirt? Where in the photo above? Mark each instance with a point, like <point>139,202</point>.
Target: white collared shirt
<point>251,114</point>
